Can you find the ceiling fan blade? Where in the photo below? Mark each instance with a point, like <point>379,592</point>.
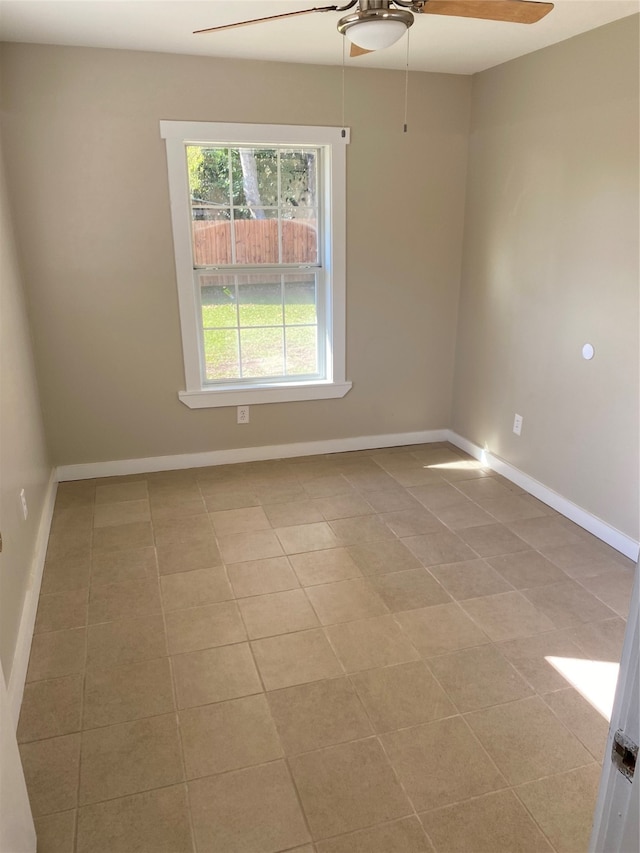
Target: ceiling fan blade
<point>268,18</point>
<point>513,11</point>
<point>358,51</point>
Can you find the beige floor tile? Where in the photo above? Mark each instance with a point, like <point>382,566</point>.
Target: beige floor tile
<point>190,589</point>
<point>119,566</point>
<point>514,508</point>
<point>344,506</point>
<point>231,521</point>
<point>228,736</point>
<point>67,545</point>
<point>506,616</point>
<point>56,833</point>
<point>125,641</point>
<point>400,836</point>
<point>260,577</point>
<point>409,590</point>
<point>293,513</point>
<point>438,495</point>
<point>75,493</point>
<point>326,485</point>
<point>277,613</point>
<point>585,560</point>
<point>215,675</point>
<point>461,515</point>
<point>563,806</point>
<point>124,600</point>
<point>526,740</point>
<point>484,489</point>
<point>72,519</point>
<point>51,773</point>
<point>421,757</point>
<point>323,713</point>
<point>245,547</point>
<point>388,555</point>
<point>392,500</point>
<point>440,629</point>
<point>412,522</point>
<point>526,569</point>
<point>544,533</point>
<point>306,537</point>
<point>127,693</point>
<point>121,537</point>
<point>529,656</point>
<point>470,579</point>
<point>364,528</point>
<point>295,659</point>
<point>62,610</point>
<point>155,821</point>
<point>254,810</point>
<point>181,557</point>
<point>123,512</point>
<point>176,506</point>
<point>614,589</point>
<point>186,530</point>
<point>320,567</point>
<point>479,677</point>
<point>600,640</point>
<point>567,604</point>
<point>57,653</point>
<point>66,574</point>
<point>578,715</point>
<point>496,823</point>
<point>489,540</point>
<point>347,787</point>
<point>437,548</point>
<point>369,643</point>
<point>345,601</point>
<point>371,480</point>
<point>50,708</point>
<point>229,498</point>
<point>204,627</point>
<point>399,696</point>
<point>108,493</point>
<point>129,757</point>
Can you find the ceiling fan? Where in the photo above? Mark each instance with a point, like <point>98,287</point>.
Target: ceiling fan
<point>377,24</point>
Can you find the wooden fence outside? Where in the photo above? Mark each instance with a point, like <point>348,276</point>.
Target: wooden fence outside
<point>256,242</point>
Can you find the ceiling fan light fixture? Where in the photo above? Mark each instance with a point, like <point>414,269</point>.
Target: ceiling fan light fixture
<point>375,29</point>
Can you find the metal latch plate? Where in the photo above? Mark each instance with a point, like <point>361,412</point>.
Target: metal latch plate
<point>624,754</point>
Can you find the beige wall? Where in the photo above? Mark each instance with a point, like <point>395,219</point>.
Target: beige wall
<point>550,263</point>
<point>88,183</point>
<point>23,455</point>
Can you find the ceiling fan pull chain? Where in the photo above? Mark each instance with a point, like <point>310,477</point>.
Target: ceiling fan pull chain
<point>406,87</point>
<point>344,132</point>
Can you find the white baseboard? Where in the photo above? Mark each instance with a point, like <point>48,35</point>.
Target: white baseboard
<point>599,528</point>
<point>245,454</point>
<point>28,619</point>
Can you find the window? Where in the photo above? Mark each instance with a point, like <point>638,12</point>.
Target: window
<point>258,215</point>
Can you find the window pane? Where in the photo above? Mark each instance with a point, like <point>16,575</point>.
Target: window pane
<point>260,301</point>
<point>300,299</point>
<point>209,175</point>
<point>298,177</point>
<point>302,350</point>
<point>262,352</point>
<point>211,238</point>
<point>256,239</point>
<point>299,241</point>
<point>221,354</point>
<point>218,301</point>
<point>255,176</point>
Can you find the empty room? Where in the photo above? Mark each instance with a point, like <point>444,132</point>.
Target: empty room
<point>319,426</point>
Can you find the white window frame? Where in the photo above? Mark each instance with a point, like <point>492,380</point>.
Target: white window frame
<point>178,134</point>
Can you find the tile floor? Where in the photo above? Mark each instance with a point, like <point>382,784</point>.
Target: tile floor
<point>338,654</point>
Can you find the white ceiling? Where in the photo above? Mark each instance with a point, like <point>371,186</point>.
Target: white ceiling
<point>437,43</point>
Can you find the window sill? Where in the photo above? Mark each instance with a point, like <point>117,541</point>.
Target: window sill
<point>241,396</point>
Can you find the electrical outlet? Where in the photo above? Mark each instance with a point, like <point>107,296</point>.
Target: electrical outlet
<point>23,504</point>
<point>243,414</point>
<point>517,424</point>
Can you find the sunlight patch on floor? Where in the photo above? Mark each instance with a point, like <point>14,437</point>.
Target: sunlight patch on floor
<point>594,679</point>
